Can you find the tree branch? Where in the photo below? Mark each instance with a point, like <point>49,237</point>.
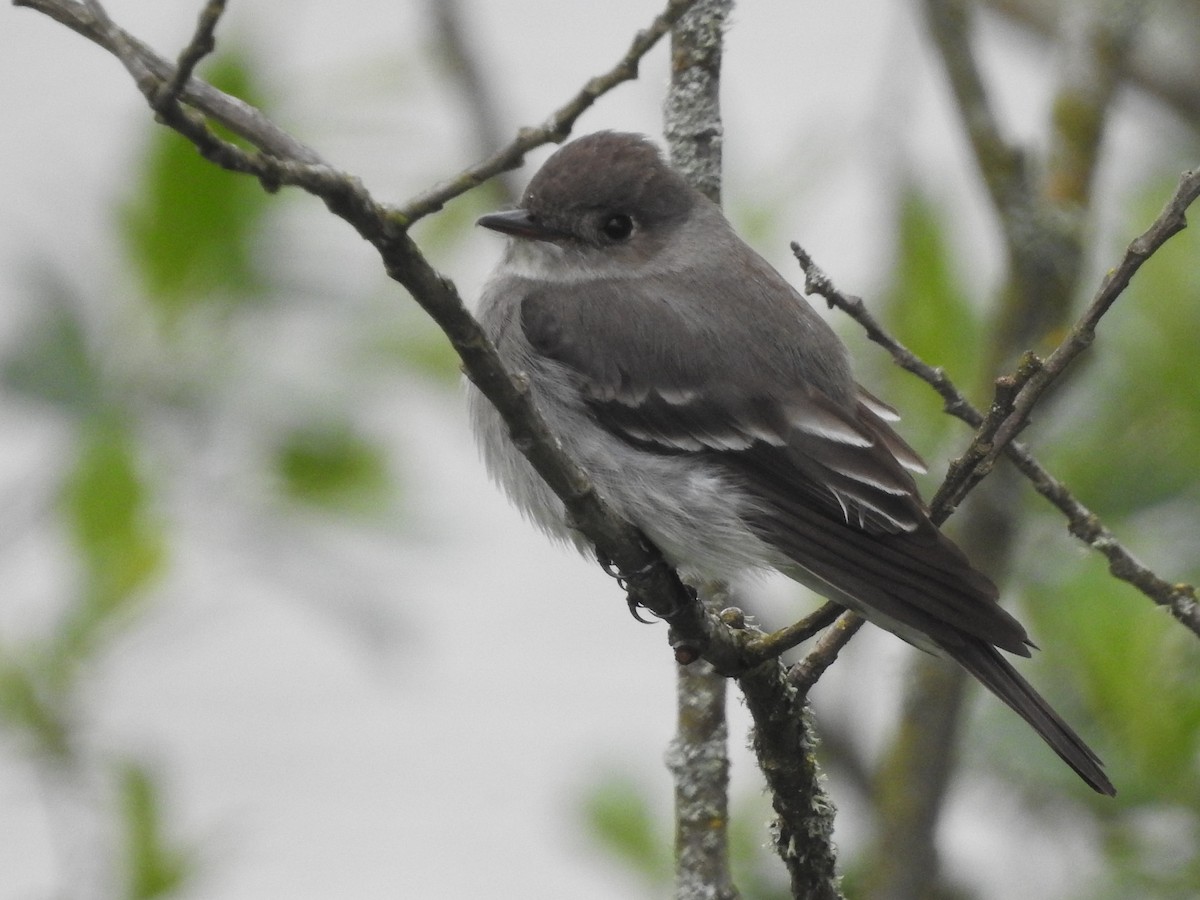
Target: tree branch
<point>1001,164</point>
<point>698,759</point>
<point>1173,78</point>
<point>775,644</point>
<point>203,42</point>
<point>1179,598</point>
<point>239,117</point>
<point>785,748</point>
<point>699,753</point>
<point>556,127</point>
<point>990,443</point>
<point>783,737</point>
<point>475,88</point>
<point>806,672</point>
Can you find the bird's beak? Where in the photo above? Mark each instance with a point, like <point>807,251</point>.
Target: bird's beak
<point>518,223</point>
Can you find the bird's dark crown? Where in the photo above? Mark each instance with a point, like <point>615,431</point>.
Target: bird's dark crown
<point>608,172</point>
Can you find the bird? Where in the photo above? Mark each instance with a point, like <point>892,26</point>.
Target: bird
<point>715,410</point>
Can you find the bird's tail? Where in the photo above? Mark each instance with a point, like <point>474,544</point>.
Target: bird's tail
<point>998,675</point>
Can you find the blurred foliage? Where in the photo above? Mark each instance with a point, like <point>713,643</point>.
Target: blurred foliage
<point>192,234</point>
<point>29,708</point>
<point>928,308</point>
<point>329,465</point>
<point>153,867</point>
<point>927,305</point>
<point>1137,402</point>
<point>1155,746</point>
<point>52,363</point>
<point>618,813</point>
<point>413,340</point>
<point>190,229</point>
<point>1126,439</point>
<point>107,510</point>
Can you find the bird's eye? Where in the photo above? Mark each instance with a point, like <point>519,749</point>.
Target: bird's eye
<point>617,227</point>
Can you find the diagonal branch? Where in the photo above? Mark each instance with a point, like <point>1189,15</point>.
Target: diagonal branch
<point>990,442</point>
<point>239,117</point>
<point>1179,598</point>
<point>555,128</point>
<point>783,731</point>
<point>643,572</point>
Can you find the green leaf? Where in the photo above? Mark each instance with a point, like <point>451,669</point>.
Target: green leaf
<point>105,503</point>
<point>329,465</point>
<point>619,817</point>
<point>190,228</point>
<point>154,868</point>
<point>25,706</point>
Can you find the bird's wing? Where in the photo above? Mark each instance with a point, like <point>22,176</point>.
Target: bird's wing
<point>827,475</point>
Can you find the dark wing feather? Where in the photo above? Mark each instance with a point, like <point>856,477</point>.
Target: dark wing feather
<point>811,447</point>
<point>813,450</point>
<point>827,474</point>
<point>998,675</point>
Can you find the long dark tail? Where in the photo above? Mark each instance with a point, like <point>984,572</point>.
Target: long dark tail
<point>996,674</point>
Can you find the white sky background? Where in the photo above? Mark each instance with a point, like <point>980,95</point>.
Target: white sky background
<point>339,711</point>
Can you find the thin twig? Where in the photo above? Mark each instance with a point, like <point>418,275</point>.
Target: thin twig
<point>458,58</point>
<point>806,672</point>
<point>203,43</point>
<point>651,583</point>
<point>775,644</point>
<point>554,129</point>
<point>1179,598</point>
<point>242,119</point>
<point>1170,222</point>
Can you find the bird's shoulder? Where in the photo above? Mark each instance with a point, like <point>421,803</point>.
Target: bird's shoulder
<point>704,325</point>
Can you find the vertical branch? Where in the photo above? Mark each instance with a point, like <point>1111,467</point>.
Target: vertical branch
<point>692,109</point>
<point>699,754</point>
<point>783,739</point>
<point>785,745</point>
<point>698,759</point>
